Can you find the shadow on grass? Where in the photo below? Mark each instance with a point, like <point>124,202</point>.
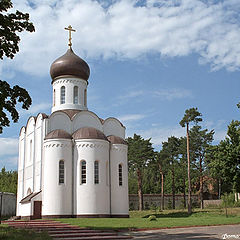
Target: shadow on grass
<point>173,214</point>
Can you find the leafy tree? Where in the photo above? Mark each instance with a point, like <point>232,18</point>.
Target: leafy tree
<point>201,140</point>
<point>161,162</point>
<point>223,160</point>
<point>183,166</point>
<point>170,150</point>
<point>10,24</point>
<point>8,181</point>
<point>191,115</point>
<point>140,152</point>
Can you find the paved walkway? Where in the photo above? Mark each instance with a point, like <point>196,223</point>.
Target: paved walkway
<point>231,232</point>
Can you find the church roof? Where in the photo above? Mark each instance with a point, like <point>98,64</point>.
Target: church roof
<point>58,133</point>
<point>89,133</point>
<point>116,140</point>
<point>29,197</point>
<point>69,65</point>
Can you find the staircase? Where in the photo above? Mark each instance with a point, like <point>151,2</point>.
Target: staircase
<point>64,231</point>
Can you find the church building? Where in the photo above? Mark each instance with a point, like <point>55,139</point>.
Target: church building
<point>72,163</point>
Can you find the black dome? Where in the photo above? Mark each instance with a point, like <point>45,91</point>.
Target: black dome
<point>69,65</point>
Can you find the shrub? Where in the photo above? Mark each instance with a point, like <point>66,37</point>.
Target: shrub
<point>152,218</point>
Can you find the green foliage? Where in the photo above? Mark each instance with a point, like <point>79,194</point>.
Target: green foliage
<point>10,233</point>
<point>8,181</point>
<point>9,96</point>
<point>228,200</point>
<point>152,218</point>
<point>10,23</point>
<point>223,160</point>
<point>191,115</point>
<point>173,218</point>
<point>140,152</point>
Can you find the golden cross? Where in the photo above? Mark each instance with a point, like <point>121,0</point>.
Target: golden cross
<point>70,29</point>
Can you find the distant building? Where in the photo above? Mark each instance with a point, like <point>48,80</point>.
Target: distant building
<point>72,163</point>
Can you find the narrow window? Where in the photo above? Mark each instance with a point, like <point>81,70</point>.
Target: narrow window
<point>83,172</point>
<point>62,95</point>
<point>29,191</point>
<point>54,97</point>
<point>96,172</point>
<point>75,95</point>
<point>30,151</point>
<point>107,173</point>
<point>85,97</point>
<point>61,172</point>
<point>120,174</point>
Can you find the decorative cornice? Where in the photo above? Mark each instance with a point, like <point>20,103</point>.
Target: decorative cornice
<point>74,81</point>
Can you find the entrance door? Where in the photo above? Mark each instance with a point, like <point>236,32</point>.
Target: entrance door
<point>37,209</point>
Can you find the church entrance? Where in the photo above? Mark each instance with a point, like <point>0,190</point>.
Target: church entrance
<point>37,209</point>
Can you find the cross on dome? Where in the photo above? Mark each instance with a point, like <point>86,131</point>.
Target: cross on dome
<point>70,29</point>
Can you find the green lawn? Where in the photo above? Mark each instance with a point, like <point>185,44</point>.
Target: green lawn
<point>10,233</point>
<point>165,219</point>
<point>171,218</point>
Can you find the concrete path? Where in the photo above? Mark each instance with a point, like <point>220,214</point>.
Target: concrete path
<point>231,232</point>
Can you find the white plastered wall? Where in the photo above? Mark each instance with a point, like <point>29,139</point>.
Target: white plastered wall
<point>21,158</point>
<point>112,126</point>
<point>29,162</point>
<point>119,194</point>
<point>60,120</point>
<point>86,119</point>
<point>91,198</point>
<point>69,84</point>
<point>57,198</point>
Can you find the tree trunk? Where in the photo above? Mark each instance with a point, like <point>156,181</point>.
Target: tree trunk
<point>162,191</point>
<point>219,188</point>
<point>184,193</point>
<point>173,187</point>
<point>140,194</point>
<point>201,182</point>
<point>162,186</point>
<point>189,176</point>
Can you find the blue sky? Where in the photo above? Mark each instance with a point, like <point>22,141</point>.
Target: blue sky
<point>150,61</point>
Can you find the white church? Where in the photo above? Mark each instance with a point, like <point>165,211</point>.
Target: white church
<point>72,163</point>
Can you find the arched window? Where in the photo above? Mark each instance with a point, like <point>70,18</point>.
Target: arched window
<point>29,191</point>
<point>96,172</point>
<point>107,174</point>
<point>85,97</point>
<point>75,95</point>
<point>61,172</point>
<point>83,172</point>
<point>54,97</point>
<point>62,95</point>
<point>120,175</point>
<point>30,151</point>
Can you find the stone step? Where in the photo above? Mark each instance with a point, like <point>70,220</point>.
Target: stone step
<point>64,231</point>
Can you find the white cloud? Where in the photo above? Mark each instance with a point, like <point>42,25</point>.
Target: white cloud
<point>132,94</point>
<point>36,108</point>
<point>131,117</point>
<point>160,134</point>
<point>8,146</point>
<point>170,94</point>
<point>122,29</point>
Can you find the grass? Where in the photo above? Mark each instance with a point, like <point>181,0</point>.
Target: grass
<point>138,219</point>
<point>10,233</point>
<point>165,219</point>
